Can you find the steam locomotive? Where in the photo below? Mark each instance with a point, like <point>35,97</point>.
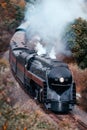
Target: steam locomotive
<point>47,80</point>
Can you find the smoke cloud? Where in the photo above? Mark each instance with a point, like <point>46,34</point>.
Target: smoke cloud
<point>48,19</point>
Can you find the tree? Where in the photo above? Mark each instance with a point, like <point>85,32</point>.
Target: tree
<point>75,37</point>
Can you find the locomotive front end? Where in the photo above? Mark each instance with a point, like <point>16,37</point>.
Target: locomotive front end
<point>61,92</point>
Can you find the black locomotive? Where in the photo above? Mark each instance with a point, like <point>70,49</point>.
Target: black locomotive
<point>48,80</point>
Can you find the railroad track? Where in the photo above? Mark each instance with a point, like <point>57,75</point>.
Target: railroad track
<point>81,124</point>
<point>76,121</point>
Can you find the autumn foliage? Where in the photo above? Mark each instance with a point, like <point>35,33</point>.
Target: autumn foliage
<point>11,16</point>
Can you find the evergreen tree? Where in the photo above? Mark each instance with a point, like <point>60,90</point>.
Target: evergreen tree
<point>75,38</point>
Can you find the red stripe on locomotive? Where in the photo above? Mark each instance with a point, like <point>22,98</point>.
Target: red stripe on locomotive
<point>35,78</point>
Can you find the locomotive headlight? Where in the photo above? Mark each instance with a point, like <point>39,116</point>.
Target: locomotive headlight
<point>61,79</point>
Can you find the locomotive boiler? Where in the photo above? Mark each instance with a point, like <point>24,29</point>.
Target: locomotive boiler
<point>47,80</point>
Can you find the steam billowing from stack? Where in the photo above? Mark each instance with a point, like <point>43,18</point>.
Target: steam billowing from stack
<point>48,19</point>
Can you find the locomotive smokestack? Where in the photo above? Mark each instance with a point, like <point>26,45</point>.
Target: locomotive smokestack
<point>48,18</point>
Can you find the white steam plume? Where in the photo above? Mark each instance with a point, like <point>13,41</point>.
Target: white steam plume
<point>48,19</point>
